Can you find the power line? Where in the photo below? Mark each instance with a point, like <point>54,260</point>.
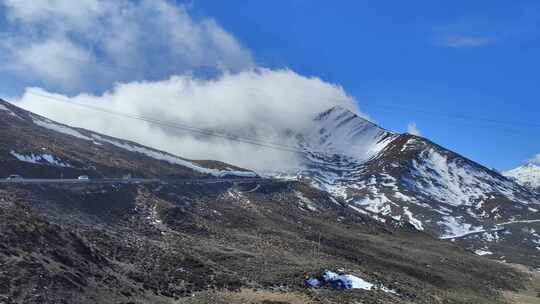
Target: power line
<point>513,124</point>
<point>183,127</point>
<point>458,116</point>
<point>188,128</point>
<point>469,124</point>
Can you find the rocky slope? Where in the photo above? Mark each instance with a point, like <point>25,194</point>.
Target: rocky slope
<point>414,180</point>
<point>34,146</point>
<point>163,242</point>
<point>178,243</point>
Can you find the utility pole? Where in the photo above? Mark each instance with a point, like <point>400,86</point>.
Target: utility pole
<point>319,245</point>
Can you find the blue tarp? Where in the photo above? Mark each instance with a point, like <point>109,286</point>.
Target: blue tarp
<point>313,282</point>
<point>338,281</point>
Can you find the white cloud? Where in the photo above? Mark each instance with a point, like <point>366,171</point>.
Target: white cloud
<point>79,12</point>
<point>143,57</point>
<point>41,61</point>
<point>89,44</point>
<point>413,129</point>
<point>458,41</point>
<point>259,103</point>
<point>535,159</point>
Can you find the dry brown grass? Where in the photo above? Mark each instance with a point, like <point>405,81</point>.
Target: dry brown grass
<point>248,296</point>
<point>529,296</point>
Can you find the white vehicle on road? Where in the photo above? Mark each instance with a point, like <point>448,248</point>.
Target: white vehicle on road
<point>83,177</point>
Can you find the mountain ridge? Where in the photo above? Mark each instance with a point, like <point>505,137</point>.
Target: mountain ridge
<point>161,242</point>
<point>416,181</point>
<point>385,175</point>
<point>93,145</point>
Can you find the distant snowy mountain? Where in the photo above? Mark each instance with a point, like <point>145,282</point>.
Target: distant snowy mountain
<point>410,179</point>
<point>528,175</point>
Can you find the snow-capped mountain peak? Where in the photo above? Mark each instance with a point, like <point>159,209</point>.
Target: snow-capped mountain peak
<point>341,131</point>
<point>528,175</point>
<point>411,179</point>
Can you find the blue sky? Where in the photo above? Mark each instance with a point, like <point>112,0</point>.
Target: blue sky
<point>394,58</point>
<point>466,72</point>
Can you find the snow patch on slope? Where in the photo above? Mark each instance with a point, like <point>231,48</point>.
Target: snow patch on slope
<point>6,109</point>
<point>174,159</point>
<point>481,252</point>
<point>412,220</point>
<point>59,128</point>
<point>48,124</point>
<point>306,202</point>
<point>456,183</point>
<point>40,159</point>
<point>456,229</point>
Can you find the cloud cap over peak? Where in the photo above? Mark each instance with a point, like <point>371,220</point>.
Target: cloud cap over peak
<point>257,103</point>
